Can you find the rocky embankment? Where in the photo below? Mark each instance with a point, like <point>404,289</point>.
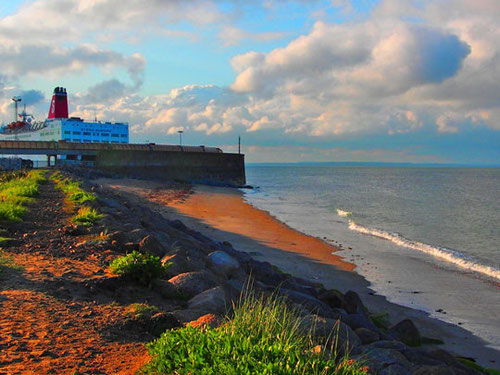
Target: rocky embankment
<point>207,277</point>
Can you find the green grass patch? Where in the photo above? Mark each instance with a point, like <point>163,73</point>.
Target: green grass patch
<point>17,190</point>
<point>7,262</point>
<point>71,189</point>
<point>469,363</point>
<point>141,268</point>
<point>4,241</point>
<point>142,310</point>
<point>263,337</point>
<point>87,216</point>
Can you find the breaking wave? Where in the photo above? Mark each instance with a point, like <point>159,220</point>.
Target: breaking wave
<point>451,256</point>
<point>343,213</point>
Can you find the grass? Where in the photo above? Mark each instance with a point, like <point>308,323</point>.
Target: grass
<point>87,216</point>
<point>7,262</point>
<point>72,189</point>
<point>142,310</point>
<point>263,337</point>
<point>77,199</point>
<point>487,371</point>
<point>17,190</point>
<point>141,268</point>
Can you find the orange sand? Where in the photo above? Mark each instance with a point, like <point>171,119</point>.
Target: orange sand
<point>225,209</point>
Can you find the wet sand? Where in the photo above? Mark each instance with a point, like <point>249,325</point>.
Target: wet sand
<point>223,215</point>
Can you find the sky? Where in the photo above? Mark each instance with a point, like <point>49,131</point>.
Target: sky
<point>305,80</point>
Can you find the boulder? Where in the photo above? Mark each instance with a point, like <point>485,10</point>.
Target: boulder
<point>312,304</point>
<point>406,332</point>
<point>367,336</point>
<point>165,289</point>
<point>137,234</point>
<point>333,298</point>
<point>186,316</point>
<point>212,300</point>
<point>151,245</point>
<point>184,261</point>
<point>353,304</point>
<point>161,322</point>
<point>190,284</point>
<point>442,370</point>
<point>360,320</point>
<point>378,359</point>
<point>333,332</point>
<point>223,263</point>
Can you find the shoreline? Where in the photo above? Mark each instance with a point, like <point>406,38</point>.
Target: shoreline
<point>222,214</point>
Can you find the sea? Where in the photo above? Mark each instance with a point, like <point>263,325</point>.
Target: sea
<point>426,237</point>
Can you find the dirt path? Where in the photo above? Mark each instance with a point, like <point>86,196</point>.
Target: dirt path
<point>50,320</point>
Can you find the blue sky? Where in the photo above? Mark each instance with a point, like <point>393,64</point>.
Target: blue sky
<point>320,80</point>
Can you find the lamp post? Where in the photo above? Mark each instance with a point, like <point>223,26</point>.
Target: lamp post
<point>180,136</point>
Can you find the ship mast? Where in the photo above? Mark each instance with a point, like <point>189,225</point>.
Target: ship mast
<point>16,99</point>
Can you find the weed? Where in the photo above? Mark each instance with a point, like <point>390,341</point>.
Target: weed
<point>87,216</point>
<point>141,268</point>
<point>263,337</point>
<point>381,320</point>
<point>142,310</point>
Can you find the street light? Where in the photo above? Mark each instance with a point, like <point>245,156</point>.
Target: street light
<point>180,136</point>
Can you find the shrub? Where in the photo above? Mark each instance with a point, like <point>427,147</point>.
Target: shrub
<point>263,337</point>
<point>87,216</point>
<point>142,310</point>
<point>141,268</point>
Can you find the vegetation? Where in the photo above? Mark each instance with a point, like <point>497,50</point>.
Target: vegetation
<point>77,199</point>
<point>142,310</point>
<point>141,268</point>
<point>17,189</point>
<point>6,262</point>
<point>475,366</point>
<point>381,321</point>
<point>72,190</point>
<point>263,337</point>
<point>87,216</point>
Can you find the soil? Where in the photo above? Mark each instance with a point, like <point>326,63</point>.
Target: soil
<point>51,320</point>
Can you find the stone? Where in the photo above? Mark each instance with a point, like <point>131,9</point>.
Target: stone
<point>333,298</point>
<point>190,284</point>
<point>442,370</point>
<point>378,359</point>
<point>129,247</point>
<point>165,289</point>
<point>212,300</point>
<point>406,332</point>
<point>76,230</point>
<point>360,320</point>
<point>353,304</point>
<point>334,332</point>
<point>151,245</point>
<point>367,336</point>
<point>312,304</point>
<point>120,238</point>
<point>137,234</point>
<point>222,262</point>
<point>395,369</point>
<point>161,322</point>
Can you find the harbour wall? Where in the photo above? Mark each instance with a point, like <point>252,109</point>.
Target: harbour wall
<point>202,167</point>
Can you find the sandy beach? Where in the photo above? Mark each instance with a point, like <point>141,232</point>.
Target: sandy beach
<point>223,215</point>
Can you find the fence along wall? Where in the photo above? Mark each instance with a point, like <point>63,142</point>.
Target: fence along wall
<point>212,168</point>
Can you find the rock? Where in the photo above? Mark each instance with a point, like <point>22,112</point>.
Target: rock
<point>221,262</point>
<point>212,300</point>
<point>333,298</point>
<point>378,359</point>
<point>137,235</point>
<point>178,264</point>
<point>210,320</point>
<point>184,261</point>
<point>129,247</point>
<point>186,316</point>
<point>312,304</point>
<point>367,336</point>
<point>160,322</point>
<point>119,238</point>
<point>353,304</point>
<point>190,284</point>
<point>406,332</point>
<point>334,332</point>
<point>151,245</point>
<point>360,320</point>
<point>441,370</point>
<point>395,369</point>
<point>389,344</point>
<point>165,289</point>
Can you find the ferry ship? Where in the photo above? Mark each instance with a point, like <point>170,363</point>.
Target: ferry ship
<point>60,127</point>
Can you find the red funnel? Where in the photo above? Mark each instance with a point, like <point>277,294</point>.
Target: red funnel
<point>59,104</point>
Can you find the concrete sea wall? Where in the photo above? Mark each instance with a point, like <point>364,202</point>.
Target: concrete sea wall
<point>212,168</point>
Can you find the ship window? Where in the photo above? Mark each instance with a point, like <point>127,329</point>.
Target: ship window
<point>115,135</point>
<point>87,140</point>
<point>123,135</point>
<point>105,134</point>
<point>76,140</point>
<point>67,132</point>
<point>77,133</point>
<point>86,133</point>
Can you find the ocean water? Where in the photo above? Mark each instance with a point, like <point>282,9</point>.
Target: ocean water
<point>425,237</point>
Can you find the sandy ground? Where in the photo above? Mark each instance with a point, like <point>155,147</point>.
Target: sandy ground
<point>222,214</point>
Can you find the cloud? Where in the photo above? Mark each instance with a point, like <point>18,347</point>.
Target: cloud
<point>232,36</point>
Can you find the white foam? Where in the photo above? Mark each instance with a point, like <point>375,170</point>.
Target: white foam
<point>343,213</point>
<point>451,256</point>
